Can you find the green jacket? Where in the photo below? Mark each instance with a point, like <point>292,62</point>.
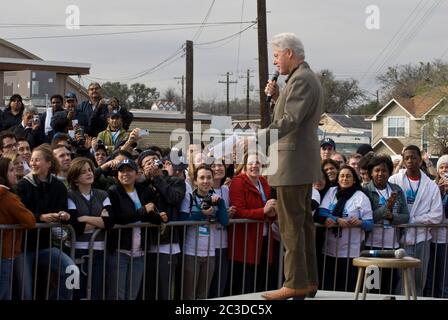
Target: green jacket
<point>106,137</point>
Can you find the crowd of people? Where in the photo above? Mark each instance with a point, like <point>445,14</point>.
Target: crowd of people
<point>80,169</point>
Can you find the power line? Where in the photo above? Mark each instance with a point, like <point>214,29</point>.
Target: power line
<point>239,44</point>
<point>225,38</point>
<point>407,37</point>
<point>104,33</point>
<point>391,40</point>
<point>46,25</point>
<point>201,27</point>
<point>164,63</point>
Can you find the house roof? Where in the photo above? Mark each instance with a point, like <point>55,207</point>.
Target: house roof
<point>350,121</point>
<point>392,144</point>
<point>419,105</point>
<point>32,56</point>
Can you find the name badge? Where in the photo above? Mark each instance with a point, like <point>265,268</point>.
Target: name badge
<point>204,231</point>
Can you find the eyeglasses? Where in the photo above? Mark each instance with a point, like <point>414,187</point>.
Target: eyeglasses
<point>10,146</point>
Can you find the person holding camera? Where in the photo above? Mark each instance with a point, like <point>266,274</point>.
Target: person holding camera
<point>169,192</point>
<point>65,119</point>
<point>199,244</point>
<point>131,203</point>
<point>114,135</point>
<point>30,127</point>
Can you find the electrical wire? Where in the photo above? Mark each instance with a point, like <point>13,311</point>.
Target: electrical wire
<point>46,25</point>
<point>201,27</point>
<point>104,33</point>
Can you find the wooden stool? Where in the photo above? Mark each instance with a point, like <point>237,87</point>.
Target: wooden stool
<point>406,264</point>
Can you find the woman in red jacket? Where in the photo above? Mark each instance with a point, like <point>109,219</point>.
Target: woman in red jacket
<point>12,211</point>
<point>250,194</point>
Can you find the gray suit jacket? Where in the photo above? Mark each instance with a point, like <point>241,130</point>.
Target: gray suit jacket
<point>296,118</point>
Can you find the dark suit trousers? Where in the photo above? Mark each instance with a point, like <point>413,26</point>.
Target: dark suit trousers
<point>298,235</point>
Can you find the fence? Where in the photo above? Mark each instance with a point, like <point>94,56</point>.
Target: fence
<point>180,260</point>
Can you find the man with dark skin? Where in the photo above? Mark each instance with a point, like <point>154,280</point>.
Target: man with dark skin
<point>425,207</point>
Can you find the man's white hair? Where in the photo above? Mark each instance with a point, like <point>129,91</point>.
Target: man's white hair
<point>287,40</point>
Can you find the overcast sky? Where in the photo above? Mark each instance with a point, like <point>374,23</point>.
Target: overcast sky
<point>334,34</point>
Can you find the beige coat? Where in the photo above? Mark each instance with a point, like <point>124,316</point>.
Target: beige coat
<point>296,117</point>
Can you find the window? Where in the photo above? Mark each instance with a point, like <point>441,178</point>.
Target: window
<point>34,87</point>
<point>396,126</point>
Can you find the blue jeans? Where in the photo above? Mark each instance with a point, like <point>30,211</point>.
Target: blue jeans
<point>419,251</point>
<point>124,275</point>
<point>24,272</point>
<point>5,279</point>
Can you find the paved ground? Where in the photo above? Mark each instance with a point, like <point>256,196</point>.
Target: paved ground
<point>326,295</point>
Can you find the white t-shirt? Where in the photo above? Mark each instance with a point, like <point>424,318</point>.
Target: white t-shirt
<point>205,238</point>
<point>97,245</point>
<point>136,232</point>
<point>349,243</point>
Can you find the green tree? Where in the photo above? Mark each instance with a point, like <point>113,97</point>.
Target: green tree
<point>340,96</point>
<point>367,109</point>
<point>412,79</point>
<point>117,89</point>
<point>142,97</point>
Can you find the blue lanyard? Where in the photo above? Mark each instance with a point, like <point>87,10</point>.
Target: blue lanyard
<point>414,193</point>
<point>381,194</point>
<point>263,195</point>
<point>114,136</point>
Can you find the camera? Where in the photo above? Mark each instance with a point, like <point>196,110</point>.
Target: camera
<point>206,204</point>
<point>143,133</point>
<point>35,118</point>
<point>158,163</point>
<point>100,143</point>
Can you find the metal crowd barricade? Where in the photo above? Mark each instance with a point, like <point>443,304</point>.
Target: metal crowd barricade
<point>432,279</point>
<point>433,284</point>
<point>181,278</point>
<point>19,263</point>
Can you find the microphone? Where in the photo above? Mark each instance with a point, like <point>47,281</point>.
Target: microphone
<point>397,254</point>
<point>274,78</point>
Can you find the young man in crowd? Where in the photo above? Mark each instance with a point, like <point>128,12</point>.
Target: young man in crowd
<point>425,207</point>
<point>327,148</point>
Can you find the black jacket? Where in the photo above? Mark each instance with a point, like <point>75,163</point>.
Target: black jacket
<point>168,193</point>
<point>124,212</point>
<point>34,137</point>
<point>43,197</point>
<point>9,120</point>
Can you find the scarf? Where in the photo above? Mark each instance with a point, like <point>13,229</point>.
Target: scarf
<point>343,195</point>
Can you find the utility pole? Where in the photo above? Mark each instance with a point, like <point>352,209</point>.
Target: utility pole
<point>228,82</point>
<point>263,69</point>
<point>182,79</point>
<point>248,76</point>
<point>189,89</point>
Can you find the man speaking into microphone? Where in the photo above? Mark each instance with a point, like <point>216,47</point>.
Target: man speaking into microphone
<point>297,111</point>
